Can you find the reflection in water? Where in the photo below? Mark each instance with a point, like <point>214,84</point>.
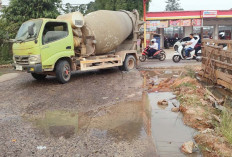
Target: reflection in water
<point>168,129</point>
<point>58,123</point>
<point>124,122</point>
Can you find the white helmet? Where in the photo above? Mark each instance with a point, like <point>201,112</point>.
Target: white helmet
<point>153,40</point>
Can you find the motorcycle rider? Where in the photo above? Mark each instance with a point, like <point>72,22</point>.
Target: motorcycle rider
<point>191,44</point>
<point>153,47</point>
<point>197,46</point>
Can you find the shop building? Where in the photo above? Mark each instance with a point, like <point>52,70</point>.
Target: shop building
<point>181,23</point>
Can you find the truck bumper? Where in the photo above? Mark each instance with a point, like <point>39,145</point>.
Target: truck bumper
<point>37,68</point>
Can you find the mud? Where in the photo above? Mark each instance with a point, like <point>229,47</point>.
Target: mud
<point>98,113</point>
<point>81,118</point>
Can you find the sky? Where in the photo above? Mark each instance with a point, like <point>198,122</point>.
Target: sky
<point>159,5</point>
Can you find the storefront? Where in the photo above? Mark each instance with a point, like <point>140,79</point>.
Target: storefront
<point>179,24</point>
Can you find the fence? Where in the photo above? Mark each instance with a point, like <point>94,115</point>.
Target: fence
<point>217,62</point>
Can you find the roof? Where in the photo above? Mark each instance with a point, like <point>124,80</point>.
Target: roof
<point>168,15</point>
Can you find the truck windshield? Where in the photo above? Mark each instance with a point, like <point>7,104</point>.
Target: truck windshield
<point>23,33</point>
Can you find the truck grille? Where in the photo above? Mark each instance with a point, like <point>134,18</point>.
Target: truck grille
<point>22,60</point>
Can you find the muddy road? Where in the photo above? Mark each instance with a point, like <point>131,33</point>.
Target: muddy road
<point>97,113</point>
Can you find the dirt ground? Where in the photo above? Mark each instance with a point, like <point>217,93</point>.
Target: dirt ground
<point>97,113</point>
<point>25,102</point>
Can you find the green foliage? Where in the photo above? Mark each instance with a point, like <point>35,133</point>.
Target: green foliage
<point>5,53</point>
<point>128,5</point>
<point>173,5</point>
<point>190,72</point>
<point>18,12</point>
<point>83,8</point>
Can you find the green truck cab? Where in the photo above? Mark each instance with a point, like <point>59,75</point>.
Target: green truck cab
<point>38,52</point>
<point>47,47</point>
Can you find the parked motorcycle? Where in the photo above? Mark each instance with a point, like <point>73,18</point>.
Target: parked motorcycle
<point>157,55</point>
<point>180,54</point>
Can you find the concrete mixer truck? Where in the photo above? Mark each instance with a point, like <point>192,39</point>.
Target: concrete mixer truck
<point>73,42</point>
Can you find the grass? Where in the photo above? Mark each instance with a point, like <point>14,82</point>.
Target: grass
<point>225,127</point>
<point>190,72</point>
<point>187,84</point>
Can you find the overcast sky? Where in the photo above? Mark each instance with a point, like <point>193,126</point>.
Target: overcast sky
<point>159,5</point>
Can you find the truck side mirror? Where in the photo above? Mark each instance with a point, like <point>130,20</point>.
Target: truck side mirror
<point>31,30</point>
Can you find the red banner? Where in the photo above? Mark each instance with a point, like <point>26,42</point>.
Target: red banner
<point>186,22</point>
<point>197,22</point>
<point>175,23</point>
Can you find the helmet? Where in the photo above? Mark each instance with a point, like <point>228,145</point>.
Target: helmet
<point>154,40</point>
<point>222,34</point>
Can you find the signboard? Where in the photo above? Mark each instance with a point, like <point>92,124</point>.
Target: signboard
<point>197,22</point>
<point>163,24</point>
<point>186,22</point>
<point>152,24</point>
<point>175,23</point>
<point>159,24</point>
<point>209,14</point>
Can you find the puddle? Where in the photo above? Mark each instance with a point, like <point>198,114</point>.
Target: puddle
<point>121,122</point>
<point>167,128</point>
<point>124,122</point>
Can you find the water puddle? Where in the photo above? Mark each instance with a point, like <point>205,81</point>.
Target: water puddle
<point>125,121</point>
<point>121,122</point>
<point>167,128</point>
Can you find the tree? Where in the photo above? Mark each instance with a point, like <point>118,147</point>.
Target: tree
<point>19,11</point>
<point>117,5</point>
<point>173,5</point>
<point>81,8</point>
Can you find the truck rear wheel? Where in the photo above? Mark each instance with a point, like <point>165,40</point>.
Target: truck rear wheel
<point>63,71</point>
<point>38,76</point>
<point>129,63</point>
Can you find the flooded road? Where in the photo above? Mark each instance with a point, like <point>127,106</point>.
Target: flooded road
<point>100,113</point>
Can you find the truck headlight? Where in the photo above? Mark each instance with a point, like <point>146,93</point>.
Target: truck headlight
<point>34,59</point>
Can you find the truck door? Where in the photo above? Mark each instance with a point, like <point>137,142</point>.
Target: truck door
<point>57,42</point>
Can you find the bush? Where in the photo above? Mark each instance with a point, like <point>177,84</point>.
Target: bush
<point>5,53</point>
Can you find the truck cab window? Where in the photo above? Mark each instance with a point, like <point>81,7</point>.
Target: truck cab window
<point>54,31</point>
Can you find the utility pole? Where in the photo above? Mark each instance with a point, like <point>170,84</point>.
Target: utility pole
<point>144,19</point>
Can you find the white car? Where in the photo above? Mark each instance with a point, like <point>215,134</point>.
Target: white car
<point>180,43</point>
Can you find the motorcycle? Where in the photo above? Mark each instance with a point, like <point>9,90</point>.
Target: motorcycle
<point>160,54</point>
<point>180,54</point>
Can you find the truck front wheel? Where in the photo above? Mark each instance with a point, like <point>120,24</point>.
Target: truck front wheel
<point>129,63</point>
<point>63,71</point>
<point>38,76</point>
